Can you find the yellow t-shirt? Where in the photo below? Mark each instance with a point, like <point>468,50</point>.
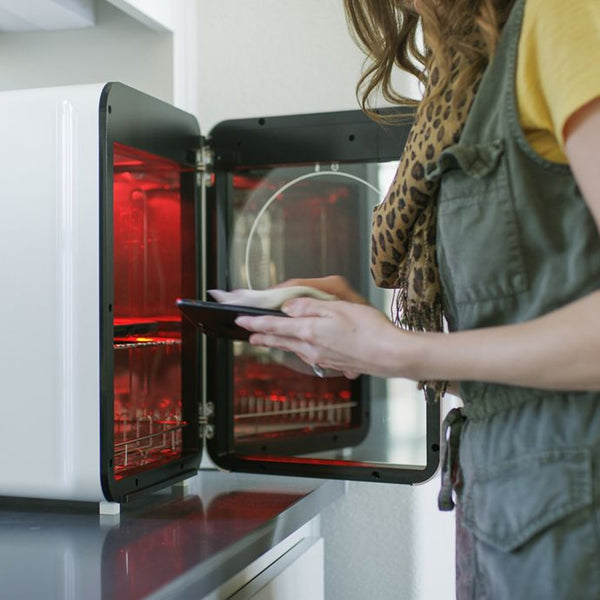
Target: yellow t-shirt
<point>558,69</point>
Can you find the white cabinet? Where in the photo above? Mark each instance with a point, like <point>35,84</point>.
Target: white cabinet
<point>156,14</point>
<point>32,15</point>
<point>147,44</point>
<point>180,19</point>
<point>297,575</point>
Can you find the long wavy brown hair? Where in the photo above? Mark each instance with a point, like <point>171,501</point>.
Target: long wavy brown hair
<point>388,31</point>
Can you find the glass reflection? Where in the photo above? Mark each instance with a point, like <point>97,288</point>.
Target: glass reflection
<point>313,221</point>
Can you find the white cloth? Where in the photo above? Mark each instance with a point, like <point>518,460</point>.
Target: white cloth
<point>272,298</point>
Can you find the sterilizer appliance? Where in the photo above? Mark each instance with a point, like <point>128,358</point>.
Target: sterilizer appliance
<point>114,206</point>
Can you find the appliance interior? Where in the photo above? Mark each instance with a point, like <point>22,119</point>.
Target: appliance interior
<point>147,230</point>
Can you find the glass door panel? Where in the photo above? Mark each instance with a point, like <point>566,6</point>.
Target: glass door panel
<point>304,222</point>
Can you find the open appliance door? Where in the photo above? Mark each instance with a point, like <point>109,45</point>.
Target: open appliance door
<point>149,404</point>
<point>291,197</point>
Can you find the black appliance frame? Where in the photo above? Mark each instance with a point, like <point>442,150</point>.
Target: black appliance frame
<point>143,122</point>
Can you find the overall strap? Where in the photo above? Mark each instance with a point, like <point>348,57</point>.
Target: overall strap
<point>451,431</point>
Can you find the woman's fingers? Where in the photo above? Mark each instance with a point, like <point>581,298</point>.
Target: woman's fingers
<point>351,375</point>
<point>299,307</point>
<point>306,307</point>
<point>276,341</point>
<point>277,326</point>
<point>306,352</point>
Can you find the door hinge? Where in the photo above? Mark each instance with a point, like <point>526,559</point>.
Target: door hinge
<point>207,429</point>
<point>204,160</point>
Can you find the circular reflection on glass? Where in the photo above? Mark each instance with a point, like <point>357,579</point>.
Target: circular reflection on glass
<point>290,223</point>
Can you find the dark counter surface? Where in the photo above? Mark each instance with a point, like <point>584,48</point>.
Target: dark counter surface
<point>178,543</point>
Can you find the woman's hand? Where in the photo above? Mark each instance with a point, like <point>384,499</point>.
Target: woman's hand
<point>351,337</point>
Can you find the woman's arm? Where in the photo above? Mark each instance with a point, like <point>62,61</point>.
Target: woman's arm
<point>560,350</point>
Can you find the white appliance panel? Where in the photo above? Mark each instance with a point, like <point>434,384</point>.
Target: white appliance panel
<point>49,244</point>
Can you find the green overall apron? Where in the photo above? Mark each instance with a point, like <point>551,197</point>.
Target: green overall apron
<point>515,241</point>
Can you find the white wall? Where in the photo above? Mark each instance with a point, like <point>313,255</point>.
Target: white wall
<point>268,57</point>
<point>118,48</point>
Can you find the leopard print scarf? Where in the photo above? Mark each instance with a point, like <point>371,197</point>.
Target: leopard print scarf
<point>403,242</point>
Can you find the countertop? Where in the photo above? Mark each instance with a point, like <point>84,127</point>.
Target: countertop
<point>179,543</point>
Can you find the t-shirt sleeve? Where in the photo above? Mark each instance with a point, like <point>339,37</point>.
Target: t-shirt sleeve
<point>559,62</point>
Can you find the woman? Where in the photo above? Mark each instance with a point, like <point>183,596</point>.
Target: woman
<point>492,225</point>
